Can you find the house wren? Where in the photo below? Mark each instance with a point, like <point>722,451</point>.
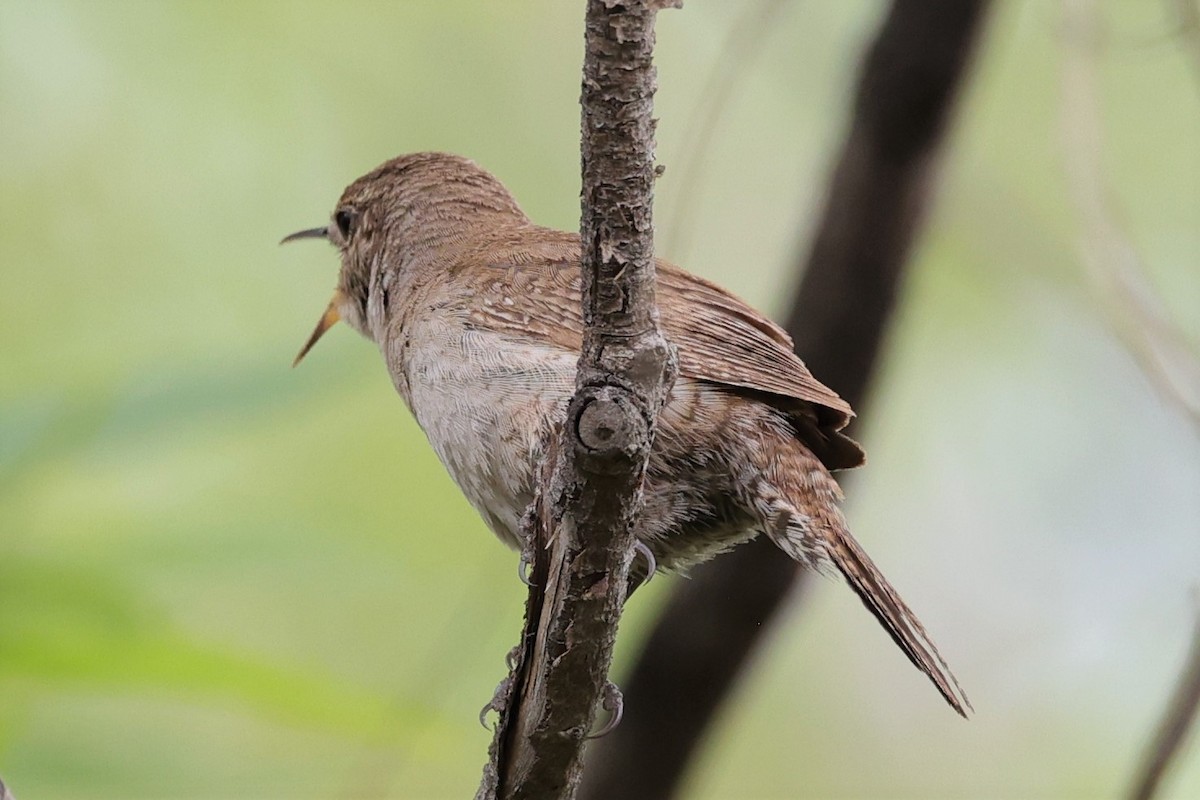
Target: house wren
<point>476,310</point>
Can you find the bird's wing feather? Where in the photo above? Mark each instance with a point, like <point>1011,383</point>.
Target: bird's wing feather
<point>728,342</point>
<point>720,339</point>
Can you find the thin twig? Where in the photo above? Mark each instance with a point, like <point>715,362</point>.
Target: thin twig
<point>744,42</point>
<point>1173,728</point>
<point>1132,307</point>
<point>1138,316</point>
<point>1188,13</point>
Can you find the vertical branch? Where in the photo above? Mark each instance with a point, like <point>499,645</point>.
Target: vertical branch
<point>877,196</point>
<point>591,491</point>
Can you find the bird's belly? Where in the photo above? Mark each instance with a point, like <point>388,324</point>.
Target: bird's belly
<point>483,402</point>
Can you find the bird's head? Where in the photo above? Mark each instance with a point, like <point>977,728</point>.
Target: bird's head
<point>388,219</point>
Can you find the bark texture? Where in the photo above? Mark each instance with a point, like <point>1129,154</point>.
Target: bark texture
<point>582,523</point>
<point>878,192</point>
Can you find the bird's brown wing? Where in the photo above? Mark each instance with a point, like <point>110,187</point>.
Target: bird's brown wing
<point>723,340</point>
<point>720,339</point>
<point>729,342</point>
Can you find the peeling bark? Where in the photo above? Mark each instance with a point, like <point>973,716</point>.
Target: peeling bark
<point>582,524</point>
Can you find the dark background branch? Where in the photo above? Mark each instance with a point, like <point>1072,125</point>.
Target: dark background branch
<point>879,190</point>
<point>583,520</point>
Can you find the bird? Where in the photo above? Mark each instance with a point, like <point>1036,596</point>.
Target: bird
<point>476,311</point>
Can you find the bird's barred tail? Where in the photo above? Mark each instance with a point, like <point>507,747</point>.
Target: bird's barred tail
<point>896,618</point>
<point>799,506</point>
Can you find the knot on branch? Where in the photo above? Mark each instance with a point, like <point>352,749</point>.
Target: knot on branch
<point>612,415</point>
<point>610,425</point>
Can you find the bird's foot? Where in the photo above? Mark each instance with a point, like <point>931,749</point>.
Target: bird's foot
<point>510,658</point>
<point>499,701</point>
<point>614,704</point>
<point>527,555</point>
<point>640,548</point>
<point>523,570</point>
<point>528,523</point>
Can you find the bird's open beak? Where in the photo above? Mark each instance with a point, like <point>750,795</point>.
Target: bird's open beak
<point>331,315</point>
<point>327,321</point>
<point>311,233</point>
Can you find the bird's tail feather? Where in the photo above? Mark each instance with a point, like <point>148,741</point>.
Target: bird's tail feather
<point>821,539</point>
<point>896,617</point>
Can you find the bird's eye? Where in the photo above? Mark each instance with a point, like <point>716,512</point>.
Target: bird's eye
<point>345,223</point>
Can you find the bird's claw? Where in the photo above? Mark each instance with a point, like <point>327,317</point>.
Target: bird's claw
<point>614,704</point>
<point>526,550</point>
<point>499,701</point>
<point>640,548</point>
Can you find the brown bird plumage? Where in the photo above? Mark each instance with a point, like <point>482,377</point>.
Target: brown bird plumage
<point>476,310</point>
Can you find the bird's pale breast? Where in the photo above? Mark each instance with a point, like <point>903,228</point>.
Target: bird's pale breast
<point>482,399</point>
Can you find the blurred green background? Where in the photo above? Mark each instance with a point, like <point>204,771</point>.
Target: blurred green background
<point>220,577</point>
